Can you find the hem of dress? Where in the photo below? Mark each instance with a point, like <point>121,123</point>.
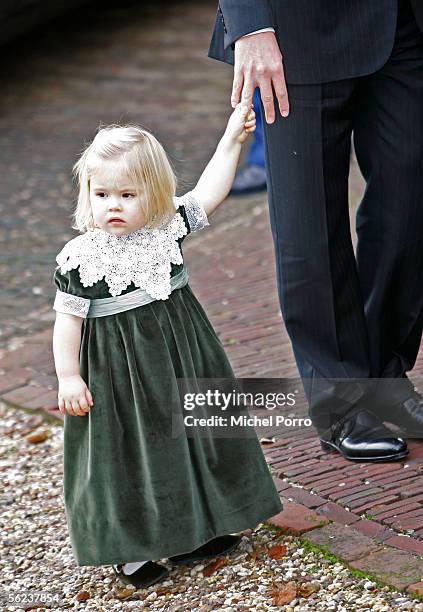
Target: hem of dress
<point>272,509</point>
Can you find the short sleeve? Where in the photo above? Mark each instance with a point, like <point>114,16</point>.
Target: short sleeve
<point>65,301</point>
<point>193,212</point>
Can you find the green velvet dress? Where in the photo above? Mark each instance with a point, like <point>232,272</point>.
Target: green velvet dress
<point>132,490</point>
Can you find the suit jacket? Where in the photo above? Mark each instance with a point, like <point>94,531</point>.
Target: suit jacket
<point>320,40</point>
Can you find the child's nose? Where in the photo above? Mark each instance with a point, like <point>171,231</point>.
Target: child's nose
<point>115,204</point>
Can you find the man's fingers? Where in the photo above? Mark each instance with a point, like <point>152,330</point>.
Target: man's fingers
<point>281,93</point>
<point>243,110</point>
<point>247,95</point>
<point>236,88</point>
<point>266,95</point>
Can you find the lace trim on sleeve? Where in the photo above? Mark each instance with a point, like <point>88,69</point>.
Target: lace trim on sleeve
<point>196,215</point>
<point>71,304</point>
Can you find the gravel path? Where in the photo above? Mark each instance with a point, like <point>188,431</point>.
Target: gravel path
<point>268,571</point>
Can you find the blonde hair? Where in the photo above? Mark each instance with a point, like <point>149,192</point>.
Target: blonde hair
<point>144,161</point>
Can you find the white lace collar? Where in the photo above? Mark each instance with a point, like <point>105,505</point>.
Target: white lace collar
<point>143,257</point>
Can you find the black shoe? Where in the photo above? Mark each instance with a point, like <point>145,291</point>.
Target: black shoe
<point>215,548</point>
<point>363,437</point>
<point>403,407</point>
<point>145,576</point>
<point>248,179</point>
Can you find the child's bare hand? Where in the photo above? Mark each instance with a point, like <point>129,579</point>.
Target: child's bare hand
<point>74,396</point>
<point>241,123</point>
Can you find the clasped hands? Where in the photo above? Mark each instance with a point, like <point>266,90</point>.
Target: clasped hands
<point>258,63</point>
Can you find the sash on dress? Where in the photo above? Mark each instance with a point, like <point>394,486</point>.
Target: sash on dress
<point>101,307</point>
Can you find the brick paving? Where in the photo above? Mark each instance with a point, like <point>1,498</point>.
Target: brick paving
<point>121,65</point>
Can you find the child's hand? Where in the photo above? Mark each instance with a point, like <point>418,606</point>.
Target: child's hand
<point>241,123</point>
<point>74,396</point>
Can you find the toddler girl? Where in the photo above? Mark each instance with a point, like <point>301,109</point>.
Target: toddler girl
<point>128,326</point>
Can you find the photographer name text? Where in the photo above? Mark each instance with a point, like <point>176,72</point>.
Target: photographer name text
<point>246,421</point>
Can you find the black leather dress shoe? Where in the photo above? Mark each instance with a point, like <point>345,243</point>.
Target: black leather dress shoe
<point>145,576</point>
<point>363,437</point>
<point>406,413</point>
<point>214,548</point>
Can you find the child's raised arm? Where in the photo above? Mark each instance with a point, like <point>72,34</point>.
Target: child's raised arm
<point>217,178</point>
<point>74,396</point>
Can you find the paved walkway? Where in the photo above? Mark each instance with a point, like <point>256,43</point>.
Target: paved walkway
<point>121,65</point>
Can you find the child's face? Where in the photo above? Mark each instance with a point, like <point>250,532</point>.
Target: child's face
<point>115,205</point>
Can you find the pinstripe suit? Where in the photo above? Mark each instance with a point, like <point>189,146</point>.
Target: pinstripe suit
<point>356,67</point>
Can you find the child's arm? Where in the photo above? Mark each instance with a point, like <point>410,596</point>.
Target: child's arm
<point>74,396</point>
<point>217,178</point>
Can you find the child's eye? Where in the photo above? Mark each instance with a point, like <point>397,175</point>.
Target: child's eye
<point>100,194</point>
<point>128,195</point>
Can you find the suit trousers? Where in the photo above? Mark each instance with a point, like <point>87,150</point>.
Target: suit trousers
<point>351,316</point>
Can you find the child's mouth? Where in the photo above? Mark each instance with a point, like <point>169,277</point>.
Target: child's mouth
<point>116,221</point>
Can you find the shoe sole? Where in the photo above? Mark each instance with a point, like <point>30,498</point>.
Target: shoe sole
<point>200,558</point>
<point>330,446</point>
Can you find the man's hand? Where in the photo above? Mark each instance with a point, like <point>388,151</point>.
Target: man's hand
<point>258,63</point>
